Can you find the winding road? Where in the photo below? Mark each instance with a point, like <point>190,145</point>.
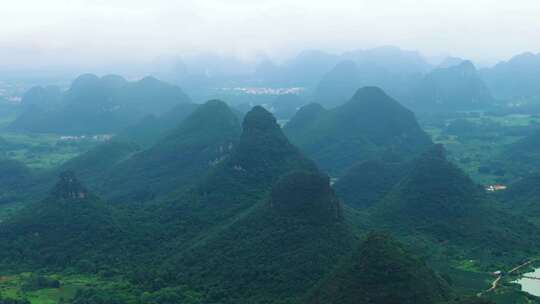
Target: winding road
<point>496,282</point>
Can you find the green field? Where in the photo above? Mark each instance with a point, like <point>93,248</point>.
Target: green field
<point>472,151</point>
<point>13,286</point>
<point>10,287</point>
<point>43,151</point>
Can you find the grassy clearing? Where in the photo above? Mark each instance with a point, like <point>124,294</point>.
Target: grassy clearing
<point>11,287</point>
<point>471,153</point>
<point>43,150</point>
<point>468,265</point>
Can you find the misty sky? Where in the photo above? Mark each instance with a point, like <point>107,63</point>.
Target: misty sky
<point>45,32</point>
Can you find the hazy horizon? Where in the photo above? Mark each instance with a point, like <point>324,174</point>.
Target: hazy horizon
<point>63,33</point>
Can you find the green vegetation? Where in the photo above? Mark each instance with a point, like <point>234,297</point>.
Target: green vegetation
<point>381,271</point>
<point>275,252</point>
<point>305,194</point>
<point>177,160</point>
<point>70,228</point>
<point>366,183</point>
<point>7,210</point>
<point>201,141</point>
<point>436,199</point>
<point>94,105</point>
<point>198,209</point>
<point>523,154</point>
<point>37,282</point>
<point>151,128</point>
<point>71,288</point>
<point>469,300</point>
<point>14,178</point>
<point>522,198</point>
<point>95,164</point>
<point>371,124</point>
<point>261,156</point>
<point>42,151</point>
<point>168,251</point>
<point>480,144</point>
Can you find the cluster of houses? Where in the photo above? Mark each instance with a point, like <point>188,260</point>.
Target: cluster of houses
<point>496,187</point>
<point>100,137</point>
<point>267,91</point>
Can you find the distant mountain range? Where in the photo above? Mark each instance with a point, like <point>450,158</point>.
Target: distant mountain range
<point>303,70</point>
<point>349,202</point>
<point>457,87</point>
<point>322,77</point>
<point>448,88</point>
<point>95,105</point>
<point>210,208</point>
<point>517,78</point>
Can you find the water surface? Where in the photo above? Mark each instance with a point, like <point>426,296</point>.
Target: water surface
<point>531,286</point>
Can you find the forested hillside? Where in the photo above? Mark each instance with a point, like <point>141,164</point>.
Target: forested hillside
<point>369,125</point>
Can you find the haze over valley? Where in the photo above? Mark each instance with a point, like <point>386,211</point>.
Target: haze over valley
<point>270,152</point>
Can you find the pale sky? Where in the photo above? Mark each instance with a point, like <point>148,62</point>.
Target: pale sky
<point>44,32</point>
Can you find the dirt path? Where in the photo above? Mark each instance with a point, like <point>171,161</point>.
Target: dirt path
<point>496,282</point>
<point>494,286</point>
<point>520,266</point>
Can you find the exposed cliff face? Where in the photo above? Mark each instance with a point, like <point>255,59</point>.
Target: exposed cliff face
<point>263,154</point>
